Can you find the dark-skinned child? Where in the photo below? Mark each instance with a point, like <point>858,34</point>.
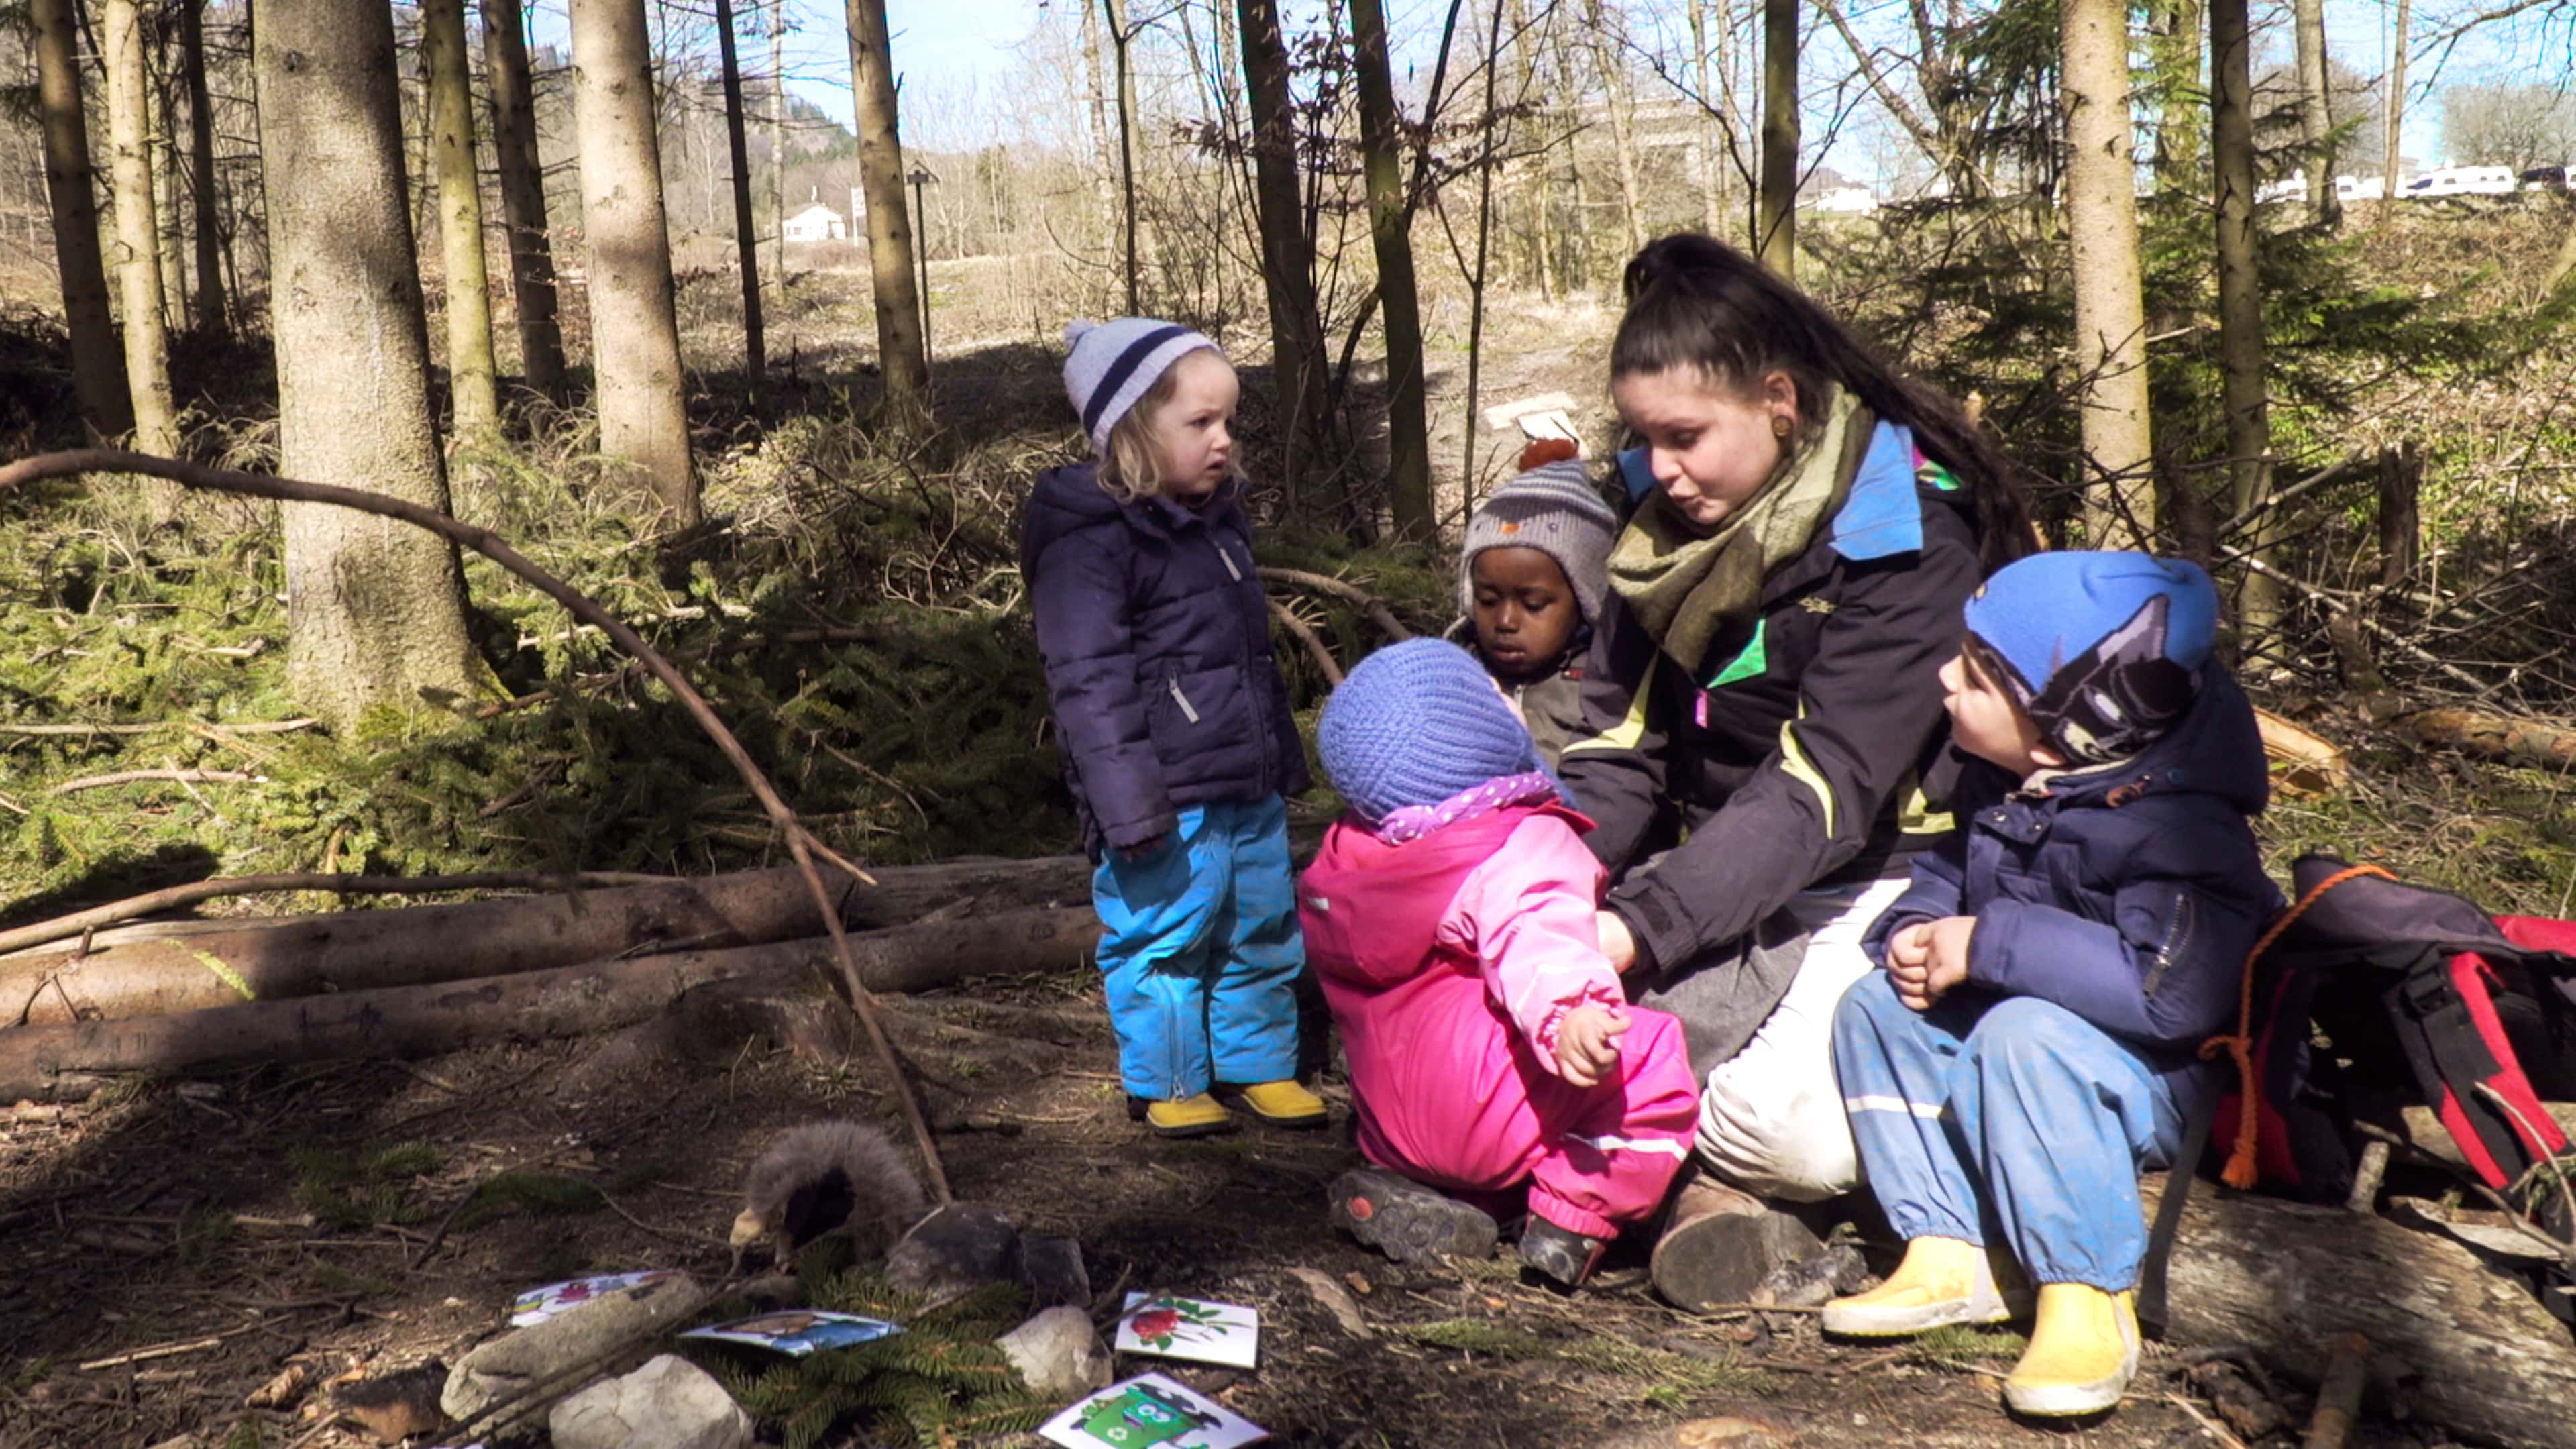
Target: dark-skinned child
<point>1532,575</point>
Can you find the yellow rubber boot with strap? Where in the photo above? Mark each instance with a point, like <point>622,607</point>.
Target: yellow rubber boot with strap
<point>1941,1281</point>
<point>1284,1103</point>
<point>2083,1352</point>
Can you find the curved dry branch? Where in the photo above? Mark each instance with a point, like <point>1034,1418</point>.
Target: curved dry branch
<point>800,843</point>
<point>1344,590</point>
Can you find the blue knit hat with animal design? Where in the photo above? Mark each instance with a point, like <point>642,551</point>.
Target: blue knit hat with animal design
<point>2104,651</point>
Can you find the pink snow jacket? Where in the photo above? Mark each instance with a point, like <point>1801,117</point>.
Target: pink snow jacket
<point>1504,900</point>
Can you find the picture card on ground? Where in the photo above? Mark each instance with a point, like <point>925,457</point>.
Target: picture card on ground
<point>539,1304</point>
<point>1175,1327</point>
<point>1150,1409</point>
<point>799,1331</point>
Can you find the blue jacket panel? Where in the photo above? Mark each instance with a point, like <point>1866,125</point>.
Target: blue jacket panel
<point>2128,894</point>
<point>1156,638</point>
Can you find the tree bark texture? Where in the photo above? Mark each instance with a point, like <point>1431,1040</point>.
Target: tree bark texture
<point>210,313</point>
<point>898,301</point>
<point>470,367</point>
<point>375,609</point>
<point>1408,447</point>
<point>523,197</point>
<point>167,199</point>
<point>2243,392</point>
<point>1618,101</point>
<point>1779,220</point>
<point>2395,154</point>
<point>1287,252</point>
<point>138,239</point>
<point>1116,29</point>
<point>2175,53</point>
<point>98,363</point>
<point>2110,304</point>
<point>1714,147</point>
<point>2401,529</point>
<point>746,237</point>
<point>2316,109</point>
<point>2463,1346</point>
<point>635,335</point>
<point>409,1021</point>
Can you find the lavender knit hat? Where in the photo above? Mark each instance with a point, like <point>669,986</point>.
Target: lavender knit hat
<point>1109,366</point>
<point>1416,724</point>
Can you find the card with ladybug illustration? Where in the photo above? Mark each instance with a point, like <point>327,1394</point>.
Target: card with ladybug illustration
<point>1169,1326</point>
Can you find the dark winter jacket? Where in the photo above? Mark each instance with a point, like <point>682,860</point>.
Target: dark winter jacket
<point>1801,760</point>
<point>2128,894</point>
<point>1156,637</point>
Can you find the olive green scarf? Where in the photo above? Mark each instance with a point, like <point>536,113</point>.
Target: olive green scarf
<point>1686,585</point>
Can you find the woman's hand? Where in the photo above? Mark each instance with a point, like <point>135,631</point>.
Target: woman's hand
<point>1926,959</point>
<point>1616,942</point>
<point>1587,1044</point>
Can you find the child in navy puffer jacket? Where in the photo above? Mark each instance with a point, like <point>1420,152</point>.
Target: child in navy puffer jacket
<point>1175,727</point>
<point>2054,965</point>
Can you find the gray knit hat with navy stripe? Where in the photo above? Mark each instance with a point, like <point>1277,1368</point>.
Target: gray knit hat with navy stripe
<point>1109,366</point>
<point>1552,508</point>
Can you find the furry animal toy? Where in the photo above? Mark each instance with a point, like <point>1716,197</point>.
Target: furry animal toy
<point>824,1178</point>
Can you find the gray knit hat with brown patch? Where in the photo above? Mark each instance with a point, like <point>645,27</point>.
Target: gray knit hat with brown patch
<point>1555,509</point>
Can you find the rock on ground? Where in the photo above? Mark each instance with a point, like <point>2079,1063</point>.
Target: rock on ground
<point>669,1403</point>
<point>520,1360</point>
<point>1059,1353</point>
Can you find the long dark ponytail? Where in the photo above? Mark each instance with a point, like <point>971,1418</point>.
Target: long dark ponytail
<point>1696,303</point>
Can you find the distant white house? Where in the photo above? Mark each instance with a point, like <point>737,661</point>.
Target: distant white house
<point>817,223</point>
<point>1847,201</point>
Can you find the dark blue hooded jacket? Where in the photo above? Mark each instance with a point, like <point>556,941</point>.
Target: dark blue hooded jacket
<point>2128,893</point>
<point>1156,637</point>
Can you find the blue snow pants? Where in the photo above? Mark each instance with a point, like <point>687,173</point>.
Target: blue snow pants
<point>2011,1114</point>
<point>1201,954</point>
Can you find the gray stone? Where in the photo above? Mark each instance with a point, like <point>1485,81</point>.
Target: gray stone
<point>955,1251</point>
<point>1052,1267</point>
<point>1059,1353</point>
<point>522,1359</point>
<point>669,1403</point>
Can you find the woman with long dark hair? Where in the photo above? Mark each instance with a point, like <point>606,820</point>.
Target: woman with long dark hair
<point>1763,739</point>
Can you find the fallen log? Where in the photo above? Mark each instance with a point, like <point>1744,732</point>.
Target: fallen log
<point>2498,737</point>
<point>2455,1342</point>
<point>41,1062</point>
<point>360,950</point>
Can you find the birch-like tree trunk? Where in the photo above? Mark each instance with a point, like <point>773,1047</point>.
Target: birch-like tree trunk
<point>635,335</point>
<point>1620,103</point>
<point>523,197</point>
<point>898,301</point>
<point>2110,305</point>
<point>2240,295</point>
<point>1287,252</point>
<point>1717,146</point>
<point>1116,29</point>
<point>375,608</point>
<point>1778,228</point>
<point>2316,108</point>
<point>470,371</point>
<point>2395,150</point>
<point>210,316</point>
<point>1408,445</point>
<point>746,238</point>
<point>98,364</point>
<point>138,238</point>
<point>778,142</point>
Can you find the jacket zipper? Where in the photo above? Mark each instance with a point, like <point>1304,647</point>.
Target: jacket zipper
<point>1228,558</point>
<point>1182,700</point>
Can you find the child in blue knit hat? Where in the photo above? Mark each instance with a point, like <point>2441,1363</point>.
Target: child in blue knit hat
<point>1494,1060</point>
<point>1175,729</point>
<point>2054,966</point>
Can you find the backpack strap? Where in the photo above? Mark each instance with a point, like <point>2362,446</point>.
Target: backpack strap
<point>2242,1170</point>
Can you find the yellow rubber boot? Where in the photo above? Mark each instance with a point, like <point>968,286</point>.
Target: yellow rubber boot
<point>1280,1104</point>
<point>2083,1352</point>
<point>1942,1280</point>
<point>1189,1117</point>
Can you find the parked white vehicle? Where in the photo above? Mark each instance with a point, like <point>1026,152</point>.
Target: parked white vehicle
<point>2363,188</point>
<point>2463,181</point>
<point>1848,201</point>
<point>2293,187</point>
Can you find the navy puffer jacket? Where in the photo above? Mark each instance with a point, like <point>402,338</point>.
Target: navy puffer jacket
<point>1156,637</point>
<point>2128,894</point>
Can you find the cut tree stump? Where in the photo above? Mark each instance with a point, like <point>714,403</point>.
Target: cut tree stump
<point>67,1058</point>
<point>150,970</point>
<point>2453,1341</point>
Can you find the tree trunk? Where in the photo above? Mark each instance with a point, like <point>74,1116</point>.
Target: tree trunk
<point>1118,39</point>
<point>898,300</point>
<point>2316,109</point>
<point>2474,1349</point>
<point>2240,301</point>
<point>746,238</point>
<point>1779,221</point>
<point>1616,99</point>
<point>2562,266</point>
<point>460,220</point>
<point>98,374</point>
<point>1476,276</point>
<point>375,608</point>
<point>1287,253</point>
<point>523,197</point>
<point>2401,478</point>
<point>408,1021</point>
<point>2175,52</point>
<point>138,239</point>
<point>778,145</point>
<point>167,202</point>
<point>2110,306</point>
<point>1408,449</point>
<point>2395,152</point>
<point>635,336</point>
<point>201,172</point>
<point>1717,148</point>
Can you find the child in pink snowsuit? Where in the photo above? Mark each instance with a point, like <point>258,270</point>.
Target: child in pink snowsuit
<point>1450,920</point>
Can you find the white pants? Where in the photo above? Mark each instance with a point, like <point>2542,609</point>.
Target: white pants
<point>1771,1120</point>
